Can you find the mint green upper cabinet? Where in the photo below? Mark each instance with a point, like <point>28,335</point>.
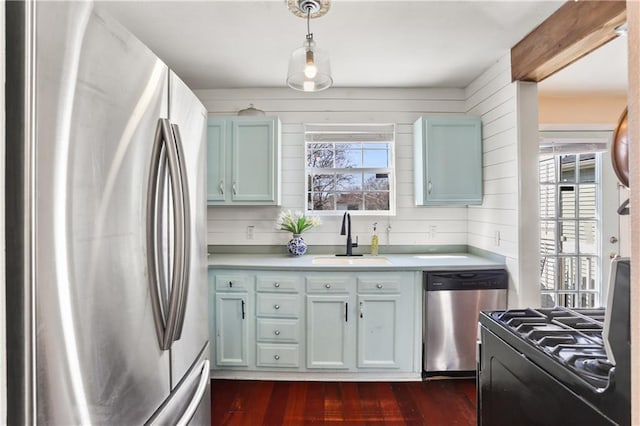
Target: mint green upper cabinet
<point>216,160</point>
<point>243,161</point>
<point>448,160</point>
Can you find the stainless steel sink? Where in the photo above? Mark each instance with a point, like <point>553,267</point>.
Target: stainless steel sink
<point>344,260</point>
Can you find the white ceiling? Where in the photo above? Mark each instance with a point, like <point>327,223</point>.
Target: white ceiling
<point>239,44</point>
<point>603,71</point>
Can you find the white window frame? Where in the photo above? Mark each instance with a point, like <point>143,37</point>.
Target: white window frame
<point>352,133</point>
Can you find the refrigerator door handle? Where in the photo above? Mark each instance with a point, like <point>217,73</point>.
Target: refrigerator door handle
<point>197,397</point>
<point>186,229</point>
<point>164,318</point>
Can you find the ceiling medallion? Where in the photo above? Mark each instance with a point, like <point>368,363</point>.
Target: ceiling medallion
<point>317,8</point>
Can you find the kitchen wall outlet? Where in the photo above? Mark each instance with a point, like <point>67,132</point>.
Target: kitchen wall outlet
<point>433,229</point>
<point>496,238</point>
<point>250,232</point>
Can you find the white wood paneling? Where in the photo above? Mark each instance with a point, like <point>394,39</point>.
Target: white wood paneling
<point>507,223</point>
<point>493,226</point>
<point>410,225</point>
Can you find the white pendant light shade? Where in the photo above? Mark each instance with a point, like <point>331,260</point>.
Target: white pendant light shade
<point>309,68</point>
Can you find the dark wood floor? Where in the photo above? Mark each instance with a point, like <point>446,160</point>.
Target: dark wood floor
<point>432,403</point>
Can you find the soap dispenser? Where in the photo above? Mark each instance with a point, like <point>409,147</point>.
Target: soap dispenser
<point>374,240</point>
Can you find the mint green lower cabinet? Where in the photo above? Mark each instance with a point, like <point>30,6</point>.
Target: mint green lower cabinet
<point>324,322</point>
<point>231,328</point>
<point>328,331</point>
<point>379,340</point>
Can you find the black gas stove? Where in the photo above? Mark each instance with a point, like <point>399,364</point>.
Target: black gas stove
<point>559,365</point>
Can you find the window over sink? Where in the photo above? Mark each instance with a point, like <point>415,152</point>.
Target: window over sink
<point>350,167</point>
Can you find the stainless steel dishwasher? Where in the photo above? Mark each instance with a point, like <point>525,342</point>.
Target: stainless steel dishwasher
<point>451,304</point>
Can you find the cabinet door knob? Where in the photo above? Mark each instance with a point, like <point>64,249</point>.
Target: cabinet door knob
<point>230,284</point>
<point>233,187</point>
<point>276,307</point>
<point>327,285</point>
<point>277,332</point>
<point>222,187</point>
<point>276,285</point>
<point>379,285</point>
<point>276,357</point>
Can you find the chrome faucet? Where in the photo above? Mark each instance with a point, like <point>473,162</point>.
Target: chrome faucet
<point>346,230</point>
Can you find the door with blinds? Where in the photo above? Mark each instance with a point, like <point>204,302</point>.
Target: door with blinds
<point>579,225</point>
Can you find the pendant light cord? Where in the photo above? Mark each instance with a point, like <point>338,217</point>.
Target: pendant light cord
<point>309,35</point>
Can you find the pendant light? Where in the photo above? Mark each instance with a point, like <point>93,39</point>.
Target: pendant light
<point>309,68</point>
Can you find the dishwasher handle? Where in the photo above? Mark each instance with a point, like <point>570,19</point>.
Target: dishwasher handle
<point>493,279</point>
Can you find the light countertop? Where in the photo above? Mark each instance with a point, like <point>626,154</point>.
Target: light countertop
<point>310,262</point>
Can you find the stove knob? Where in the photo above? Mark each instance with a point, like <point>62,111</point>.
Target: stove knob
<point>613,240</point>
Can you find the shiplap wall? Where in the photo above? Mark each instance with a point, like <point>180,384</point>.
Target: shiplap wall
<point>227,225</point>
<point>507,221</point>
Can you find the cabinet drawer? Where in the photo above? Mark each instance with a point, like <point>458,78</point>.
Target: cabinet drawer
<point>328,284</point>
<point>278,330</point>
<point>279,284</point>
<point>277,305</point>
<point>277,355</point>
<point>374,285</point>
<point>233,282</point>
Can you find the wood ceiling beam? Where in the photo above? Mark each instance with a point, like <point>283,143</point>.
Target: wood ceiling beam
<point>574,30</point>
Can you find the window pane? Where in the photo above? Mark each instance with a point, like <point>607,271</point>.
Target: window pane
<point>349,201</point>
<point>567,168</point>
<point>588,273</point>
<point>587,201</point>
<point>323,183</point>
<point>320,155</point>
<point>548,300</point>
<point>587,237</point>
<point>547,237</point>
<point>548,273</point>
<point>376,181</point>
<point>547,201</point>
<point>349,182</point>
<point>547,169</point>
<point>376,157</point>
<point>376,200</point>
<point>567,300</point>
<point>567,237</point>
<point>587,300</point>
<point>587,167</point>
<point>322,201</point>
<point>567,269</point>
<point>348,155</point>
<point>567,202</point>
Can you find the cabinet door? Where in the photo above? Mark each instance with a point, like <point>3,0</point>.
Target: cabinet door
<point>231,329</point>
<point>253,160</point>
<point>379,336</point>
<point>216,143</point>
<point>450,160</point>
<point>328,331</point>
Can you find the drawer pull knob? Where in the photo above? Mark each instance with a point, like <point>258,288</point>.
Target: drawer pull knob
<point>379,285</point>
<point>277,332</point>
<point>276,307</point>
<point>276,357</point>
<point>327,285</point>
<point>230,284</point>
<point>276,285</point>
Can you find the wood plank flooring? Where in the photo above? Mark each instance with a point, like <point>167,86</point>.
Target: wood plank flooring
<point>275,403</point>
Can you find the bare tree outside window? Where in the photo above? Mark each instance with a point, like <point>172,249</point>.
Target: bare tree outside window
<point>348,174</point>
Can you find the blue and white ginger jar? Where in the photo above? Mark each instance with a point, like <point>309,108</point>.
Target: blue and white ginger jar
<point>297,246</point>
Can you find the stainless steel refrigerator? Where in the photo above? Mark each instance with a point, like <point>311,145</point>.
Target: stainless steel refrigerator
<point>106,226</point>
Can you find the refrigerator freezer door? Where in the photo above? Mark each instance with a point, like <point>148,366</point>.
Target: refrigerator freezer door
<point>190,117</point>
<point>100,93</point>
<point>190,401</point>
